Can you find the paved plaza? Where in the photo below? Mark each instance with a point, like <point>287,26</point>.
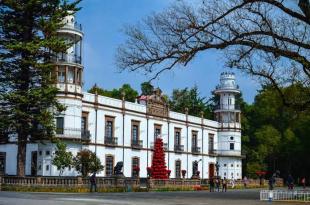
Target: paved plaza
<point>233,197</point>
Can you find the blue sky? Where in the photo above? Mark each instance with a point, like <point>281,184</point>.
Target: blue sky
<point>102,22</point>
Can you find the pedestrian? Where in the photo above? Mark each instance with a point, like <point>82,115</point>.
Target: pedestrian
<point>270,183</point>
<point>211,184</point>
<point>303,182</point>
<point>218,184</point>
<point>290,182</point>
<point>224,184</point>
<point>93,183</point>
<point>245,181</point>
<point>232,182</point>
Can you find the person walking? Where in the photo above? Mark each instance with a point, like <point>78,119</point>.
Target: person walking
<point>290,182</point>
<point>217,184</point>
<point>245,181</point>
<point>93,183</point>
<point>224,184</point>
<point>232,182</point>
<point>303,182</point>
<point>271,182</point>
<point>211,184</point>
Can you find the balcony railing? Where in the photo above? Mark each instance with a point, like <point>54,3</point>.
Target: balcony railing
<point>68,58</point>
<point>179,148</point>
<point>110,141</point>
<point>227,107</point>
<point>228,152</point>
<point>136,143</point>
<point>212,152</point>
<point>76,26</point>
<point>73,133</point>
<point>224,87</point>
<point>195,149</point>
<point>85,135</point>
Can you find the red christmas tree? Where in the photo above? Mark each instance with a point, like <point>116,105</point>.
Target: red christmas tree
<point>159,169</point>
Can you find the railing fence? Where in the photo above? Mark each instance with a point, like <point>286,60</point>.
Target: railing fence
<point>284,195</point>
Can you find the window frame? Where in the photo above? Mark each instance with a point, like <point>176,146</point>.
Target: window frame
<point>133,124</point>
<point>106,165</point>
<point>109,119</point>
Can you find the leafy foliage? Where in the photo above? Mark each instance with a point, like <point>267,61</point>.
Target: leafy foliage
<point>274,136</point>
<point>62,158</point>
<point>86,162</point>
<point>129,93</point>
<point>190,98</point>
<point>147,88</point>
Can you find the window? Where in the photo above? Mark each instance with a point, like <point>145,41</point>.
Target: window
<point>178,169</point>
<point>47,167</point>
<point>71,75</point>
<point>135,132</point>
<point>237,117</point>
<point>84,122</point>
<point>40,153</point>
<point>194,139</point>
<point>78,77</point>
<point>109,127</point>
<point>231,138</point>
<point>59,125</point>
<point>195,168</point>
<point>231,146</point>
<point>225,165</point>
<point>224,173</point>
<point>232,165</point>
<point>109,164</point>
<point>47,153</point>
<point>211,143</point>
<point>61,74</point>
<point>157,131</point>
<point>177,136</point>
<point>135,166</point>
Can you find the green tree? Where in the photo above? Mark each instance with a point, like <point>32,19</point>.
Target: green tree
<point>189,98</point>
<point>147,88</point>
<point>62,158</point>
<point>129,93</point>
<point>28,43</point>
<point>86,162</point>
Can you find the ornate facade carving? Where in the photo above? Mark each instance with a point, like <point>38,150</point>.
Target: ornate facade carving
<point>156,105</point>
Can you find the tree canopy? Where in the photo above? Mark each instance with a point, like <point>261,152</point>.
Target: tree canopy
<point>62,158</point>
<point>129,93</point>
<point>274,137</point>
<point>86,162</point>
<point>268,39</point>
<point>189,98</point>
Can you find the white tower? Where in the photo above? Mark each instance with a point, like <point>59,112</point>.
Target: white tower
<point>227,113</point>
<point>70,124</point>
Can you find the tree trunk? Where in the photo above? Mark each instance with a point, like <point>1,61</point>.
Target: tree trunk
<point>21,156</point>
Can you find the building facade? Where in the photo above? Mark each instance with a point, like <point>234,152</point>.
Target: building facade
<point>117,130</point>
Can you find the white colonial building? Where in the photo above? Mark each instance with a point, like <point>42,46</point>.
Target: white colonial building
<point>117,130</point>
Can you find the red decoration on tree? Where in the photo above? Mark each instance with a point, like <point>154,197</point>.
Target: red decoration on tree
<point>159,169</point>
